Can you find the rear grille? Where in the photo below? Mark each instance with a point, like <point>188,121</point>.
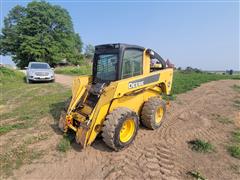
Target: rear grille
<point>42,73</point>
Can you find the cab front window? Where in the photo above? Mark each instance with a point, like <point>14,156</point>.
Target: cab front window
<point>106,67</point>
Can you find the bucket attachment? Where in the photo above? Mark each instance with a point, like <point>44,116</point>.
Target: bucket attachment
<point>81,135</point>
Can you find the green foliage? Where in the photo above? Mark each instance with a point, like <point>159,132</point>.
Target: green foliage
<point>40,32</point>
<point>201,146</point>
<point>196,175</point>
<point>74,70</point>
<point>234,150</point>
<point>236,136</point>
<point>7,128</point>
<point>183,82</point>
<point>89,51</point>
<point>7,75</point>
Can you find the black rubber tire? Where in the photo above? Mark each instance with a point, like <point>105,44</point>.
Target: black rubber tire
<point>148,112</point>
<point>113,124</point>
<point>28,81</point>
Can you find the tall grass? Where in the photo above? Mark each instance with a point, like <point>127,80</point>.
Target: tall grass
<point>74,70</point>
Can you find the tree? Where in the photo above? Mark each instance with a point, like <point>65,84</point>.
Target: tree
<point>40,32</point>
<point>89,51</point>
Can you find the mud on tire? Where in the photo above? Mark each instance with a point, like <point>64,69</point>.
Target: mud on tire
<point>113,125</point>
<point>148,118</point>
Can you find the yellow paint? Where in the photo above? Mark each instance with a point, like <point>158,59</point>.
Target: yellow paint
<point>127,130</point>
<point>159,115</point>
<point>116,94</point>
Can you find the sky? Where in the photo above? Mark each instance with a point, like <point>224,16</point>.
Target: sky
<point>200,34</point>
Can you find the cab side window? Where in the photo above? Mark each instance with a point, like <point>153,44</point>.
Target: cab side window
<point>132,63</point>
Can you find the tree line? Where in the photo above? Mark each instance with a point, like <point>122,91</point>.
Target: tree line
<point>41,32</point>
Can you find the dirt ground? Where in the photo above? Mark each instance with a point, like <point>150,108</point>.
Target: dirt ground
<point>159,154</point>
<point>64,80</point>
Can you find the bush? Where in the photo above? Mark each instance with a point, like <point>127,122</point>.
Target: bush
<point>7,75</point>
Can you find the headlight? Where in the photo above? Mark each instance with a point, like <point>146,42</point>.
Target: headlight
<point>31,73</point>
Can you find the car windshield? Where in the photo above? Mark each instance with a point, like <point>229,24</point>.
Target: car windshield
<point>39,66</point>
<point>106,67</point>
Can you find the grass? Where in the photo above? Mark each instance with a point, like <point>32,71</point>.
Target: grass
<point>196,175</point>
<point>236,136</point>
<point>234,151</point>
<point>26,103</point>
<point>64,144</point>
<point>17,156</point>
<point>236,87</point>
<point>22,107</point>
<point>201,146</point>
<point>9,127</point>
<point>74,70</point>
<point>234,148</point>
<point>183,82</point>
<point>235,168</point>
<point>236,103</point>
<point>222,119</point>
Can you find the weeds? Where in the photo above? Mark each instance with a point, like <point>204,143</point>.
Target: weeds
<point>201,146</point>
<point>169,97</point>
<point>64,144</point>
<point>237,103</point>
<point>236,87</point>
<point>234,149</point>
<point>222,119</point>
<point>235,168</point>
<point>74,70</point>
<point>6,128</point>
<point>236,136</point>
<point>16,157</point>
<point>196,175</point>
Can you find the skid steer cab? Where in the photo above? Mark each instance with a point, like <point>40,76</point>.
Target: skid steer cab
<point>124,89</point>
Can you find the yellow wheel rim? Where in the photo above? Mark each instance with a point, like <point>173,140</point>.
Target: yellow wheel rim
<point>159,115</point>
<point>127,130</point>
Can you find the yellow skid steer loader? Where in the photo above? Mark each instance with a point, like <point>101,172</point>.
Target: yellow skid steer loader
<point>124,89</point>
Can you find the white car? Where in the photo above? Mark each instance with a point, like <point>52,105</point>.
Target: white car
<point>38,71</point>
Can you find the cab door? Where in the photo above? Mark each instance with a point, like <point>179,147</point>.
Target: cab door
<point>132,63</point>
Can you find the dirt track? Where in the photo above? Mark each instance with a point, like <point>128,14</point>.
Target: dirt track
<point>64,79</point>
<point>159,154</point>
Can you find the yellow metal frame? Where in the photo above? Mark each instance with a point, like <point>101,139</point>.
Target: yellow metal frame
<point>116,94</point>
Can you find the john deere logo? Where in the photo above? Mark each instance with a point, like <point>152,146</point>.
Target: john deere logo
<point>135,84</point>
<point>143,81</point>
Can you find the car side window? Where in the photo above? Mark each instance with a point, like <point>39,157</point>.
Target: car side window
<point>132,63</point>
